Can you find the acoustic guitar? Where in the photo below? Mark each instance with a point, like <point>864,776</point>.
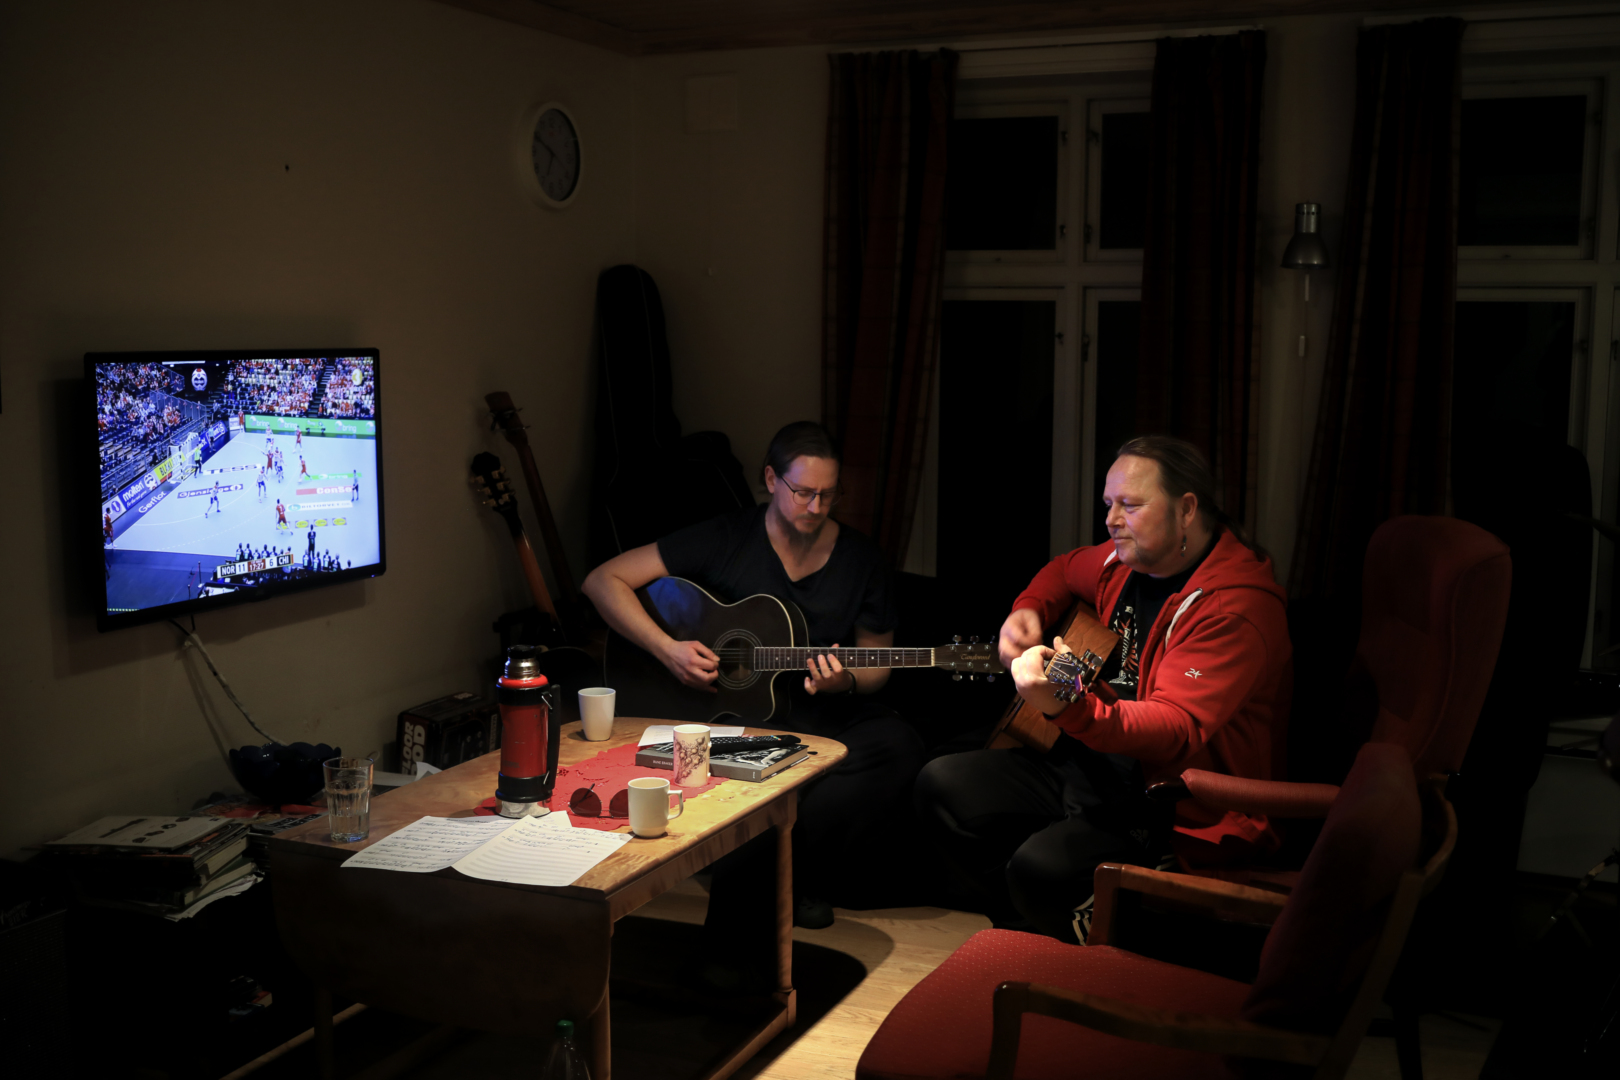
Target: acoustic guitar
<point>489,481</point>
<point>1071,674</point>
<point>756,639</point>
<point>570,612</point>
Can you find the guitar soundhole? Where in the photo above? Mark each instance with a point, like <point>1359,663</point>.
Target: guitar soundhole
<point>736,653</point>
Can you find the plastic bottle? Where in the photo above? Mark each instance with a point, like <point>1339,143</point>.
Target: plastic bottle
<point>567,1060</point>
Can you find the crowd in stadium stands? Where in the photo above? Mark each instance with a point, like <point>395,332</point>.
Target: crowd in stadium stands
<point>345,396</point>
<point>133,398</point>
<point>277,387</point>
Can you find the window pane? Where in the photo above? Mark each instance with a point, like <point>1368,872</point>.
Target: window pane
<point>1521,171</point>
<point>1118,332</point>
<point>995,375</point>
<point>1124,183</point>
<point>1001,184</point>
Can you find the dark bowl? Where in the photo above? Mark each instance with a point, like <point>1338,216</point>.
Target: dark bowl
<point>281,774</point>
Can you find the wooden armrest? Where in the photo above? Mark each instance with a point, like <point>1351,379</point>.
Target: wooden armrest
<point>1143,1023</point>
<point>1222,899</point>
<point>1277,798</point>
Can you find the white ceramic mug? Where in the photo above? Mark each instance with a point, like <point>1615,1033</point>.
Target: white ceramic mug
<point>649,805</point>
<point>691,755</point>
<point>596,712</point>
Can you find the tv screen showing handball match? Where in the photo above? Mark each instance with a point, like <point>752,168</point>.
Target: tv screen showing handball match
<point>234,476</point>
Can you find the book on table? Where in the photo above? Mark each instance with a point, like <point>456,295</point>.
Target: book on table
<point>750,765</point>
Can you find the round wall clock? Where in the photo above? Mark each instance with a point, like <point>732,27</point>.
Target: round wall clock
<point>549,155</point>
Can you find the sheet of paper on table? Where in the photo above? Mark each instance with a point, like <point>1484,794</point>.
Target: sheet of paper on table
<point>433,843</point>
<point>530,853</point>
<point>662,733</point>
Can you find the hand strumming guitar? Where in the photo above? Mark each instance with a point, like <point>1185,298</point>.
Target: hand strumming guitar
<point>1021,632</point>
<point>692,662</point>
<point>1029,677</point>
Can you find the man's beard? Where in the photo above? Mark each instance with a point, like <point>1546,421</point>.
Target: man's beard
<point>798,536</point>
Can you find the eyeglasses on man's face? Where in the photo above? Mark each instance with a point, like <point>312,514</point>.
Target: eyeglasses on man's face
<point>806,496</point>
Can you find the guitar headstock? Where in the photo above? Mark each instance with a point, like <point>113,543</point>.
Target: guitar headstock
<point>489,481</point>
<point>1072,674</point>
<point>972,658</point>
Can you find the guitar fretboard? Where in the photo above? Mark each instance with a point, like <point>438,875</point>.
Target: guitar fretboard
<point>790,658</point>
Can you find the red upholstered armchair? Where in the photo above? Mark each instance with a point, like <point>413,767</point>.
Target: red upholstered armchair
<point>1434,598</point>
<point>1101,1012</point>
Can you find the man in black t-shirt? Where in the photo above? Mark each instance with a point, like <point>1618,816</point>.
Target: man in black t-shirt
<point>791,548</point>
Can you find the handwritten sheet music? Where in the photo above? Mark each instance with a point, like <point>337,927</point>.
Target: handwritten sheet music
<point>529,853</point>
<point>663,733</point>
<point>433,843</point>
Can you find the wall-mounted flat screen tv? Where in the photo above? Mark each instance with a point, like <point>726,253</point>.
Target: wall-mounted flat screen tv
<point>232,476</point>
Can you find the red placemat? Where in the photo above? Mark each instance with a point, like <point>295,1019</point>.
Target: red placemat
<point>611,771</point>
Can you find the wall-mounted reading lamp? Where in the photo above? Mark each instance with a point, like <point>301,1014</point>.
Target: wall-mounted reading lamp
<point>1305,250</point>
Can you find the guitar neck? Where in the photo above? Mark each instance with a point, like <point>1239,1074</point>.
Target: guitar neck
<point>505,412</point>
<point>531,572</point>
<point>793,658</point>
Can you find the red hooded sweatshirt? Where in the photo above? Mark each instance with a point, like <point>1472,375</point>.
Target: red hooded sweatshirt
<point>1216,670</point>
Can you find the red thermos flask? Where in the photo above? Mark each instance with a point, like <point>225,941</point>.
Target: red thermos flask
<point>530,721</point>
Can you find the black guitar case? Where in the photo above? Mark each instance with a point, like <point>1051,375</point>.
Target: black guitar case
<point>650,479</point>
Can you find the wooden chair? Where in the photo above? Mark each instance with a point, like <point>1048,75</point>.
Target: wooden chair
<point>1101,1012</point>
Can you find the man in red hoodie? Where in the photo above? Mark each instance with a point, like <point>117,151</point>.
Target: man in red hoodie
<point>1201,673</point>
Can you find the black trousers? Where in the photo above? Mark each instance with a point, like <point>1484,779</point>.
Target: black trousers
<point>1022,832</point>
<point>844,839</point>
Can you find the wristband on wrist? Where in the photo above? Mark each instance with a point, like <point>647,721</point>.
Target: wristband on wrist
<point>853,685</point>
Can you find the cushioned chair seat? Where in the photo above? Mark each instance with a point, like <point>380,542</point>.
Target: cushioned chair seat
<point>942,1027</point>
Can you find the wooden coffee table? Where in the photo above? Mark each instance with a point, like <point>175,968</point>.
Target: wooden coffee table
<point>495,956</point>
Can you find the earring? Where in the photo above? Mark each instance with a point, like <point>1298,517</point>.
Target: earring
<point>1184,543</point>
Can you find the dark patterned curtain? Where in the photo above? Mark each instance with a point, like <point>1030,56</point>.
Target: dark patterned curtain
<point>1199,366</point>
<point>1383,430</point>
<point>883,258</point>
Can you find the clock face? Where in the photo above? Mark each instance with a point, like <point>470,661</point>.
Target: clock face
<point>554,154</point>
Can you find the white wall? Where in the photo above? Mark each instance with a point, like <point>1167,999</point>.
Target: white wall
<point>203,175</point>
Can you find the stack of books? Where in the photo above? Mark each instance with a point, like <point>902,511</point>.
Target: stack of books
<point>161,865</point>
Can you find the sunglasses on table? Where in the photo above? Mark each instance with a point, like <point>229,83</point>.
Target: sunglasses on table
<point>585,802</point>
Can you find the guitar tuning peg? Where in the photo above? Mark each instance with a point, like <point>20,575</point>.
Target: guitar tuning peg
<point>974,640</point>
<point>957,638</point>
<point>973,678</point>
<point>956,676</point>
<point>989,678</point>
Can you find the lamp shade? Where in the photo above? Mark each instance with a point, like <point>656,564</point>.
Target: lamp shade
<point>1306,250</point>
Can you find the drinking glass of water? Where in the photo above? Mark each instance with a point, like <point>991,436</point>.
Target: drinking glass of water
<point>348,798</point>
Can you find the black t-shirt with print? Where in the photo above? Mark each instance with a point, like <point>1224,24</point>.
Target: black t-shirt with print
<point>1134,614</point>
